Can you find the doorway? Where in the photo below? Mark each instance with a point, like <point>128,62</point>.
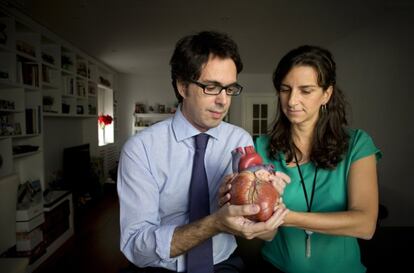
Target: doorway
<point>259,111</point>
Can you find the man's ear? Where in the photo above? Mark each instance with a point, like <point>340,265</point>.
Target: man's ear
<point>182,88</point>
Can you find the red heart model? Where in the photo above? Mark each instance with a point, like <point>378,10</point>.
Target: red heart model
<point>252,185</point>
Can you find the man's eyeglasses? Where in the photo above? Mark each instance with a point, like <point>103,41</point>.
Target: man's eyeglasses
<point>215,89</point>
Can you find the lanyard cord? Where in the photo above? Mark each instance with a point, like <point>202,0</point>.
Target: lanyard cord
<point>302,181</point>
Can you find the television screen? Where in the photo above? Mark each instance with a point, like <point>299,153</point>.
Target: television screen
<point>77,168</point>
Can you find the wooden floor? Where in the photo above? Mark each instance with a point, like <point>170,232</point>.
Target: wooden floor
<point>95,245</point>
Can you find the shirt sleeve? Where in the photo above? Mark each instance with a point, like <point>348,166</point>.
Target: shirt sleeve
<point>144,241</point>
<point>362,145</point>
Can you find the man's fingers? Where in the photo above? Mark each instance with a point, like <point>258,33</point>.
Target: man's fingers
<point>224,188</point>
<point>224,199</point>
<point>244,210</point>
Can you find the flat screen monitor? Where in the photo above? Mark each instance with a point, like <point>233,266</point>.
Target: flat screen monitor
<point>77,167</point>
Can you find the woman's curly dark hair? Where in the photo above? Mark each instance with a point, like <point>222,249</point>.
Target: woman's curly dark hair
<point>330,140</point>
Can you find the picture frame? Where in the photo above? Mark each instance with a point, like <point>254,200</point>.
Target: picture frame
<point>161,108</point>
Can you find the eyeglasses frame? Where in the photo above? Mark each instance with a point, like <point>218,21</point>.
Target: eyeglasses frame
<point>204,86</point>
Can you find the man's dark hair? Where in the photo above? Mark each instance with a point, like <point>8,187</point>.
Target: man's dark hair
<point>193,51</point>
<point>330,140</point>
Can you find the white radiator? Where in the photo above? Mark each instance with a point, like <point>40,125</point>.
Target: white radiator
<point>110,155</point>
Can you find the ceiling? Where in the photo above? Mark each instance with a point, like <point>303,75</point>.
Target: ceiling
<point>138,36</point>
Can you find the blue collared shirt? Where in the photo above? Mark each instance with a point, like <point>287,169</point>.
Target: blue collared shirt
<point>153,187</point>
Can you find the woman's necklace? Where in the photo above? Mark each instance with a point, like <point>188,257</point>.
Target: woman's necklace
<point>308,204</point>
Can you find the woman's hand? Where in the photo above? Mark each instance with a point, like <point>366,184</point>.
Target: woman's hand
<point>279,181</point>
<point>273,223</point>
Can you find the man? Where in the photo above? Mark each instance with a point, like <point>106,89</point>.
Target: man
<point>157,167</point>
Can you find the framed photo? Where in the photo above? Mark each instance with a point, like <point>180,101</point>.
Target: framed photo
<point>161,108</point>
<point>139,108</point>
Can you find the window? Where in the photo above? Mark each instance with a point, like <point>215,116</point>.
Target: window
<point>260,120</point>
<point>105,107</point>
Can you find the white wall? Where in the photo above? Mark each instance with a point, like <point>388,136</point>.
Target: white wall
<point>58,134</point>
<point>149,90</point>
<point>252,83</point>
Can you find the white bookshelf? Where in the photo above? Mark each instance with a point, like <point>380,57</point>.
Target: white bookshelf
<point>143,120</point>
<point>41,77</point>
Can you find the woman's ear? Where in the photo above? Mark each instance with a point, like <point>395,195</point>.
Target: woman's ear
<point>327,94</point>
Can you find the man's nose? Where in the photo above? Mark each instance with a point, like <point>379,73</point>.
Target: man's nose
<point>222,98</point>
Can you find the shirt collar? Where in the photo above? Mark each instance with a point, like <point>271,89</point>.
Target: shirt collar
<point>183,129</point>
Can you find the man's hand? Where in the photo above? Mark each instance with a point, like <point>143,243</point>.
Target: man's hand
<point>224,190</point>
<point>231,219</point>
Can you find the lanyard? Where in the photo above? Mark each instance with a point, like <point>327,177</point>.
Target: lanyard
<point>308,233</point>
<point>302,181</point>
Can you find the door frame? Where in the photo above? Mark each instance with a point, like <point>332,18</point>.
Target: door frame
<point>267,97</point>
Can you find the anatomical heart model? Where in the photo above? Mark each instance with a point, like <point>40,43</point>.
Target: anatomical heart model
<point>251,185</point>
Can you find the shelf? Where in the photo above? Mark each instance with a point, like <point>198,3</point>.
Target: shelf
<point>10,84</point>
<point>54,199</point>
<point>67,72</point>
<point>153,115</point>
<point>139,128</point>
<point>144,120</point>
<point>52,66</point>
<point>11,111</point>
<point>25,135</point>
<point>25,154</point>
<point>46,85</point>
<point>59,115</point>
<point>6,83</point>
<point>26,56</point>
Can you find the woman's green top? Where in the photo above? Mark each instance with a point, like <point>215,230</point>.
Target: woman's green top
<point>328,253</point>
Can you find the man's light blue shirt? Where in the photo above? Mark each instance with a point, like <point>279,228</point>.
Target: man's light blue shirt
<point>153,186</point>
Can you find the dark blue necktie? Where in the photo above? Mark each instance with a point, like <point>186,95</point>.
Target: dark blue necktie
<point>200,258</point>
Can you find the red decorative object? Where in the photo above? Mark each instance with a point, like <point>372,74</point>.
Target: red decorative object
<point>252,184</point>
<point>104,120</point>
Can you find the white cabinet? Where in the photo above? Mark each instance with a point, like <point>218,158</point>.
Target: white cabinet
<point>143,120</point>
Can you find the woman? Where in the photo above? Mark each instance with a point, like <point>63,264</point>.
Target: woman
<point>333,194</point>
